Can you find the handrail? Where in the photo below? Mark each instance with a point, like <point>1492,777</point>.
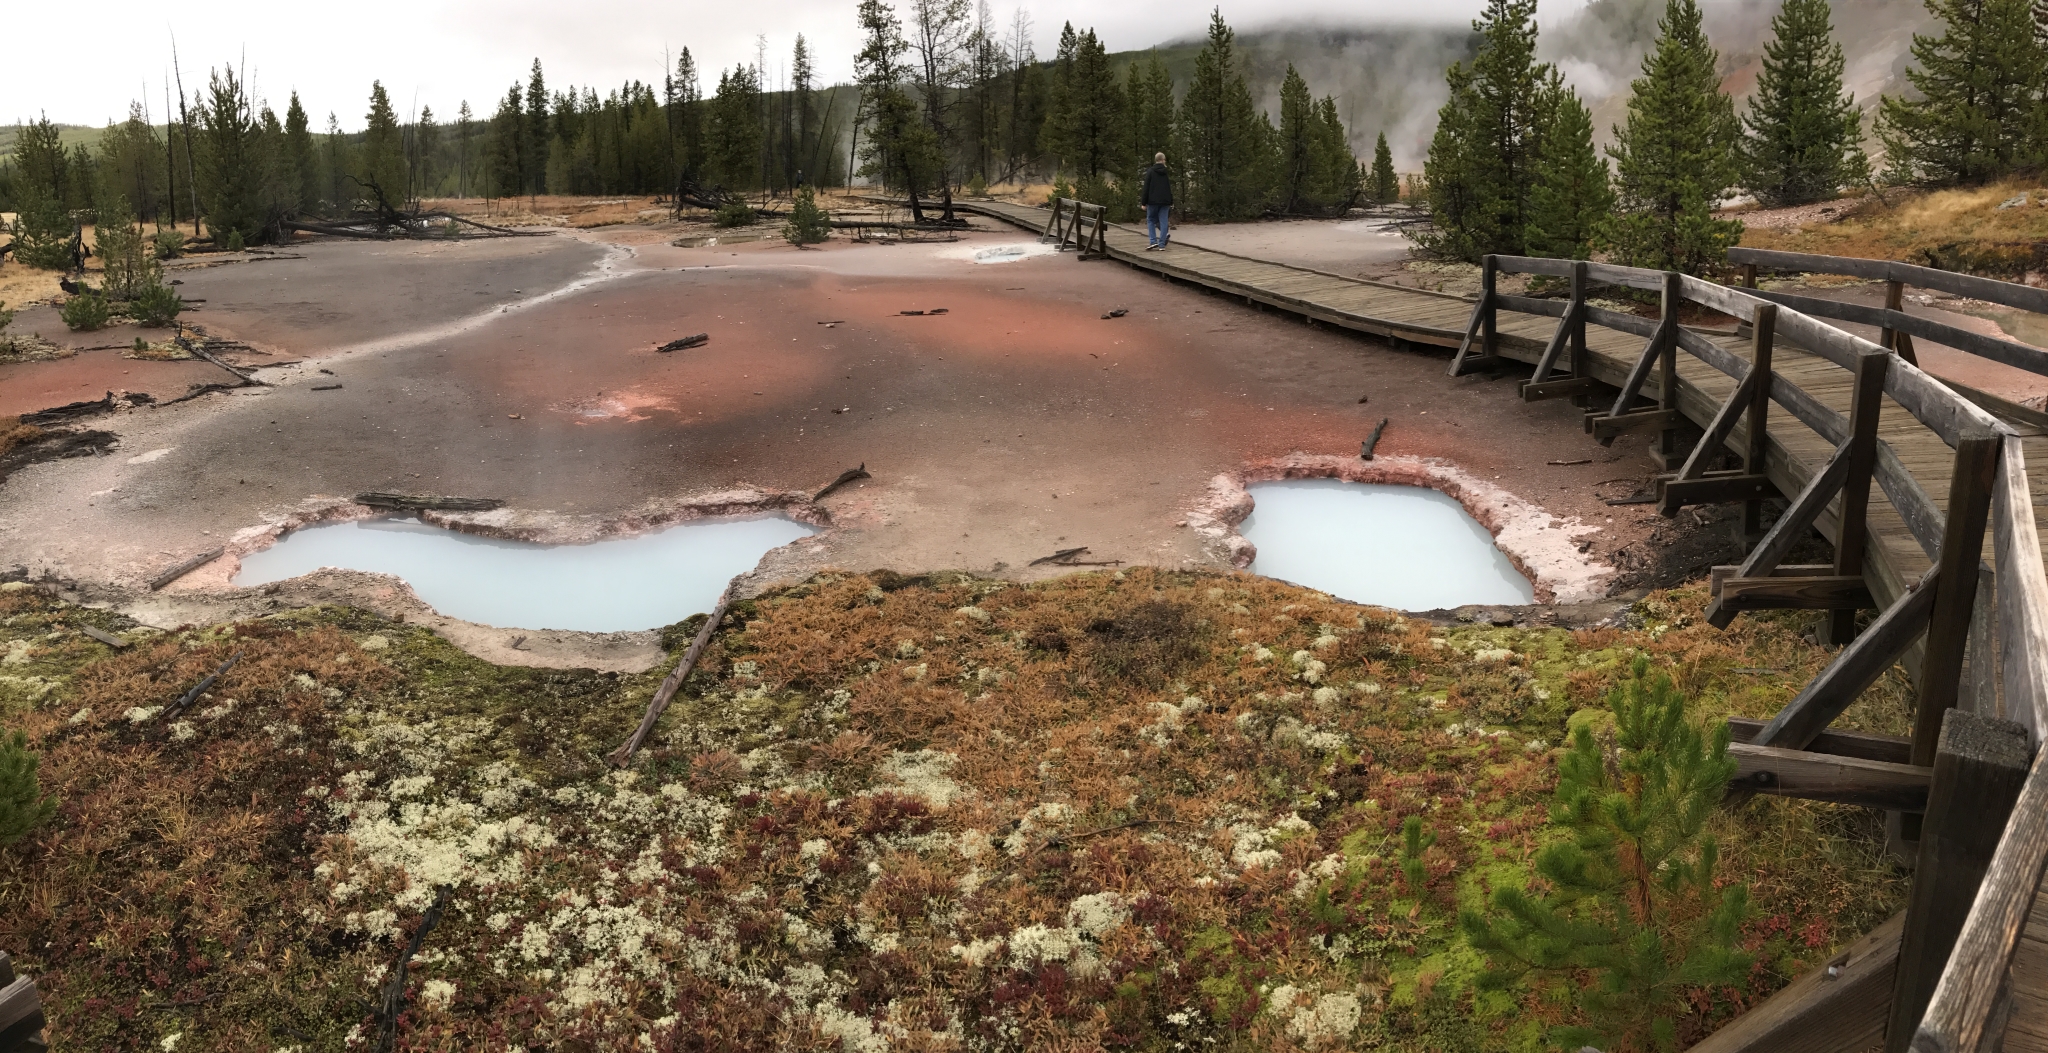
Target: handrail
<point>1990,290</point>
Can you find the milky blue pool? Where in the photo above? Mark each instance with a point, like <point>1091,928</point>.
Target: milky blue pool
<point>637,582</point>
<point>1404,547</point>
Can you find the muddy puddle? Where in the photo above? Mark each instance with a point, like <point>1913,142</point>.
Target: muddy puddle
<point>620,584</point>
<point>1404,547</point>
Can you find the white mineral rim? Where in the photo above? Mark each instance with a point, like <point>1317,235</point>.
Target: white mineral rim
<point>1544,547</point>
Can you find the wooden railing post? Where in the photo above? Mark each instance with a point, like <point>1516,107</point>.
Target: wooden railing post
<point>1667,371</point>
<point>1749,275</point>
<point>1489,336</point>
<point>1582,357</point>
<point>1853,536</point>
<point>1763,337</point>
<point>1979,693</point>
<point>1980,765</point>
<point>1896,339</point>
<point>1052,225</point>
<point>1955,602</point>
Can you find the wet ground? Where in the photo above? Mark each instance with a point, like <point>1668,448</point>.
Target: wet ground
<point>1018,423</point>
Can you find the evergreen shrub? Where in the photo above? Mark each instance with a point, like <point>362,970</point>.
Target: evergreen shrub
<point>736,214</point>
<point>42,232</point>
<point>22,806</point>
<point>155,306</point>
<point>86,311</point>
<point>170,244</point>
<point>808,224</point>
<point>1629,895</point>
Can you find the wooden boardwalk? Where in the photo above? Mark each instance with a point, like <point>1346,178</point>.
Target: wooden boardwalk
<point>1795,452</point>
<point>1439,319</point>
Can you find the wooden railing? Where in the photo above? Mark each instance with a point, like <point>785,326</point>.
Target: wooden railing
<point>1897,325</point>
<point>1794,753</point>
<point>1080,225</point>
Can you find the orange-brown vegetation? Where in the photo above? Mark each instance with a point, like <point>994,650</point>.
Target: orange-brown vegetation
<point>1135,810</point>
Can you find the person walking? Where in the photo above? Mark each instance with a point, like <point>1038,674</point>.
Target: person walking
<point>1157,196</point>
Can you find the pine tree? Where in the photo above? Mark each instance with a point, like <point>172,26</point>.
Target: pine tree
<point>1676,155</point>
<point>22,805</point>
<point>1803,132</point>
<point>1571,194</point>
<point>1632,894</point>
<point>534,131</point>
<point>426,152</point>
<point>1384,186</point>
<point>1297,114</point>
<point>1978,84</point>
<point>131,163</point>
<point>1148,87</point>
<point>234,164</point>
<point>1486,139</point>
<point>1052,136</point>
<point>381,165</point>
<point>1336,180</point>
<point>299,155</point>
<point>733,136</point>
<point>1228,148</point>
<point>900,149</point>
<point>40,163</point>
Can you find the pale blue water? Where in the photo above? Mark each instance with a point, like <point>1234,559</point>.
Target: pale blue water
<point>1405,547</point>
<point>637,582</point>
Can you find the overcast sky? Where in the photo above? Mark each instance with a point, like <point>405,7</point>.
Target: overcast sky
<point>440,53</point>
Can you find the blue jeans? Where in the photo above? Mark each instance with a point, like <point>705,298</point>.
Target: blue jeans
<point>1155,223</point>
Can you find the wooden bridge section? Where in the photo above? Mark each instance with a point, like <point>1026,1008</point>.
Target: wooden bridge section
<point>1771,400</point>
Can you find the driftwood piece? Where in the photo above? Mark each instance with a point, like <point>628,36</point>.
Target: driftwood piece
<point>327,387</point>
<point>1061,555</point>
<point>427,502</point>
<point>1066,558</point>
<point>673,682</point>
<point>69,411</point>
<point>185,702</point>
<point>1118,313</point>
<point>1372,441</point>
<point>103,636</point>
<point>392,1004</point>
<point>845,477</point>
<point>184,568</point>
<point>698,340</point>
<point>200,352</point>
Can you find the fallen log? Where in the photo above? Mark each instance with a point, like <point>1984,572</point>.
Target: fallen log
<point>103,636</point>
<point>197,390</point>
<point>197,351</point>
<point>392,1005</point>
<point>192,696</point>
<point>1062,554</point>
<point>427,502</point>
<point>1118,313</point>
<point>845,477</point>
<point>1372,441</point>
<point>184,568</point>
<point>69,411</point>
<point>673,682</point>
<point>697,340</point>
<point>326,387</point>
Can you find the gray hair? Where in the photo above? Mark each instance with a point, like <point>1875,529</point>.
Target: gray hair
<point>1159,158</point>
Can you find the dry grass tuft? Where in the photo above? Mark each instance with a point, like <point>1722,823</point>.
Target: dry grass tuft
<point>1138,810</point>
<point>14,434</point>
<point>1959,229</point>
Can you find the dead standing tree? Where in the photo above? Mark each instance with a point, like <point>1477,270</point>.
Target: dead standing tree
<point>940,32</point>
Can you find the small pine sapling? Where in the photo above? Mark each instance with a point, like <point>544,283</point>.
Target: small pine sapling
<point>22,806</point>
<point>1416,839</point>
<point>155,306</point>
<point>170,244</point>
<point>86,311</point>
<point>735,214</point>
<point>808,224</point>
<point>1631,896</point>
